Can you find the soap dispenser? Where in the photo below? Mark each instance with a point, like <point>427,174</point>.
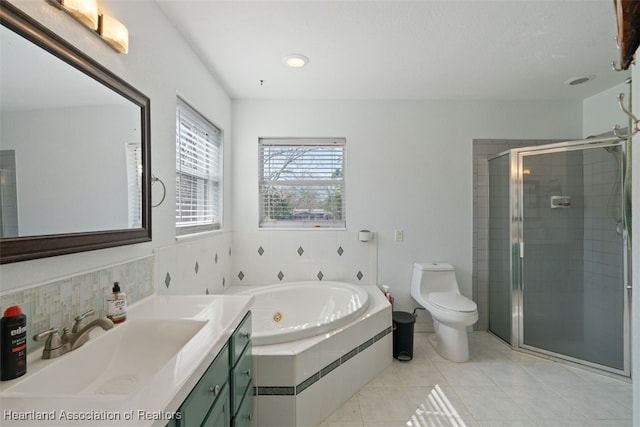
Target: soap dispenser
<point>117,305</point>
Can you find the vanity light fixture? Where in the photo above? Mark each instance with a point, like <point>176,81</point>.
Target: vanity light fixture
<point>109,29</point>
<point>295,60</point>
<point>85,11</point>
<point>114,33</point>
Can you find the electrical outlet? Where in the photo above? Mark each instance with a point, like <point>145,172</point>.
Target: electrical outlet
<point>399,235</point>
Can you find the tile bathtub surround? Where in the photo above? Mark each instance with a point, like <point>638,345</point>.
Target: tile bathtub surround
<point>197,265</point>
<point>274,256</point>
<point>497,387</point>
<point>315,377</point>
<point>301,382</point>
<point>57,303</point>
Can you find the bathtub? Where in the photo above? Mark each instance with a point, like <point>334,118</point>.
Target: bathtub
<point>307,367</point>
<point>291,311</point>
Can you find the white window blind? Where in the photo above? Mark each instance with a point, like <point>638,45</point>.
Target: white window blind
<point>302,182</point>
<point>198,172</point>
<point>134,183</point>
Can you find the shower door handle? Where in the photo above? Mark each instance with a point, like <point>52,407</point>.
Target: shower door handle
<point>521,247</point>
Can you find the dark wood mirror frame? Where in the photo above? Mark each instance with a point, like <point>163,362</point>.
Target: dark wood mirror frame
<point>26,248</point>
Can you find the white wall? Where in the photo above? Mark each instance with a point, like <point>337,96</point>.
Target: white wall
<point>408,167</point>
<point>601,111</point>
<point>160,65</point>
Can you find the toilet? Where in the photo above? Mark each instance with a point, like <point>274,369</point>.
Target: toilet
<point>434,287</point>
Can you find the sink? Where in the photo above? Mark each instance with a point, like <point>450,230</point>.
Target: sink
<point>119,362</point>
<point>196,307</point>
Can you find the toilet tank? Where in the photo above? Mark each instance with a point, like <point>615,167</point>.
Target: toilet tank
<point>434,277</point>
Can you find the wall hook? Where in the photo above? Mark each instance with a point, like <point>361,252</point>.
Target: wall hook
<point>635,123</point>
<point>614,66</point>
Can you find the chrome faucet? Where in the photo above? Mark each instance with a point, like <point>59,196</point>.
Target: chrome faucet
<point>56,346</point>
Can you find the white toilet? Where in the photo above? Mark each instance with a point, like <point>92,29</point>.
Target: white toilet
<point>434,286</point>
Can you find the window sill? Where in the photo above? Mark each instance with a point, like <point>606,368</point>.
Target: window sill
<point>302,229</point>
<point>199,234</point>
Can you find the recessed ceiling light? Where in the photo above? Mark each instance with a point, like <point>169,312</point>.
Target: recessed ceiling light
<point>573,81</point>
<point>296,60</point>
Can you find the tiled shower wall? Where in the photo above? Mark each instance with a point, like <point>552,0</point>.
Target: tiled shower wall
<point>483,150</point>
<point>273,256</point>
<point>603,247</point>
<point>554,262</point>
<point>57,303</point>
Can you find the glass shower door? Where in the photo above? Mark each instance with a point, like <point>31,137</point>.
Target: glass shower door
<point>572,260</point>
<point>500,302</point>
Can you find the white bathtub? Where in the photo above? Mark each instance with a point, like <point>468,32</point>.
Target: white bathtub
<point>292,311</point>
<point>300,381</point>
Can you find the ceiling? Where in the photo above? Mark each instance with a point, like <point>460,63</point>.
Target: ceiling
<point>395,49</point>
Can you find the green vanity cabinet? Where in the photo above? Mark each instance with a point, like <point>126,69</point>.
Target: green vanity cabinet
<point>244,415</point>
<point>223,396</point>
<point>241,375</point>
<point>220,414</point>
<point>211,394</point>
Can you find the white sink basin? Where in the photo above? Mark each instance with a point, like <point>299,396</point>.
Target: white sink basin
<point>196,307</point>
<point>119,362</point>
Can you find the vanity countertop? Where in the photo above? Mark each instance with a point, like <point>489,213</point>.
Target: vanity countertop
<point>147,401</point>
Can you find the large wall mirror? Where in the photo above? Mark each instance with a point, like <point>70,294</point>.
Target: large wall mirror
<point>74,148</point>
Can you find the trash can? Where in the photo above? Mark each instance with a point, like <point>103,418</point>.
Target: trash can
<point>403,323</point>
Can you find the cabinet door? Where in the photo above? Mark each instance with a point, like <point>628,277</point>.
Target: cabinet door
<point>241,376</point>
<point>244,416</point>
<point>209,389</point>
<point>240,339</point>
<point>220,415</point>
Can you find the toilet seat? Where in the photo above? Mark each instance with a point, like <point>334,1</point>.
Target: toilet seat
<point>452,301</point>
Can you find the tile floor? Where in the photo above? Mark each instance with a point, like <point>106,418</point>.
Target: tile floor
<point>497,387</point>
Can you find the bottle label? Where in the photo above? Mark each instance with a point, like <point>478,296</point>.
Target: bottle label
<point>13,349</point>
<point>116,308</point>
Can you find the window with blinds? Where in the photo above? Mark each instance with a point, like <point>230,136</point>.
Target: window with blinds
<point>134,183</point>
<point>302,183</point>
<point>198,172</point>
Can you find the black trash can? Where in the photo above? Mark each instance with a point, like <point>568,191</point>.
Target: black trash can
<point>403,335</point>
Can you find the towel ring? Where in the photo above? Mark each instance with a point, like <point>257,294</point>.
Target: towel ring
<point>155,179</point>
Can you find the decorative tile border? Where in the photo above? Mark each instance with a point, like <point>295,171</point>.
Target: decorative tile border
<point>312,379</point>
<point>274,391</point>
<point>266,257</point>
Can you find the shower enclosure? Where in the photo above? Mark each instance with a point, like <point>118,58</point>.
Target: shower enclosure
<point>557,252</point>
